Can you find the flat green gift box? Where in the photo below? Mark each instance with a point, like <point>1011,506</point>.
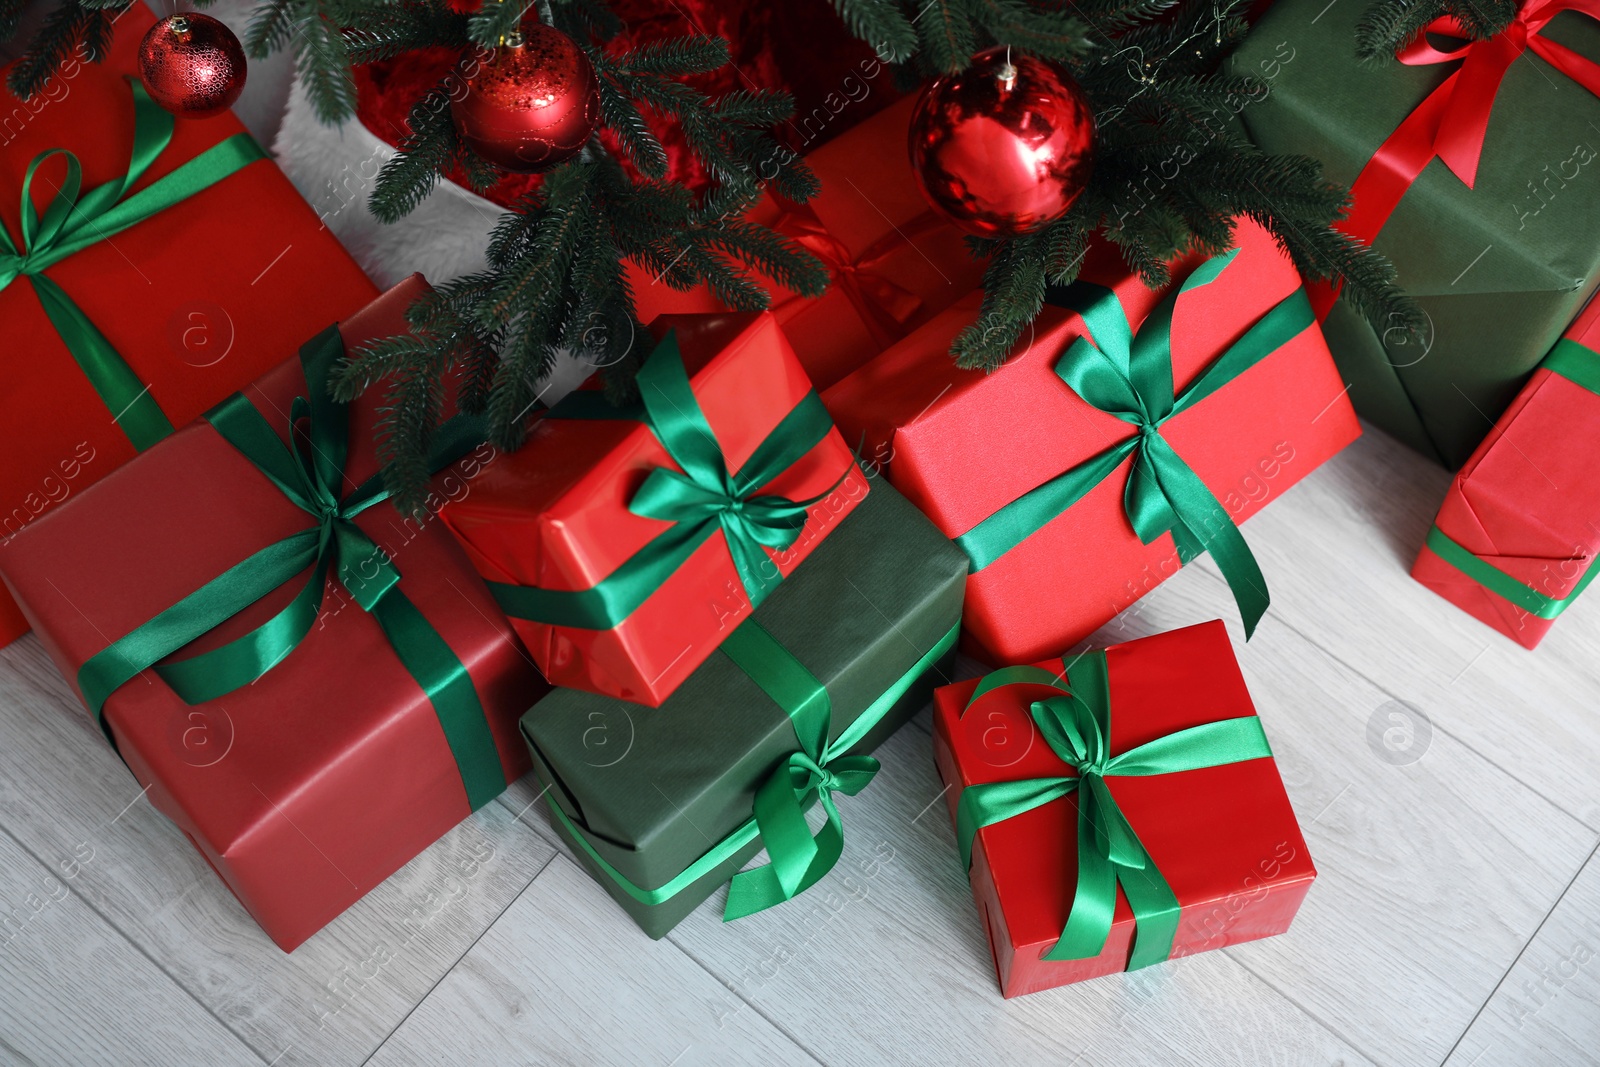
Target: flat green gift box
<point>658,803</point>
<point>1500,268</point>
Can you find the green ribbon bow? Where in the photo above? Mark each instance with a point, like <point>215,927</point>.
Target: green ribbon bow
<point>698,500</point>
<point>797,859</point>
<point>1077,727</point>
<point>1129,375</point>
<point>71,223</point>
<point>1580,365</point>
<point>309,471</point>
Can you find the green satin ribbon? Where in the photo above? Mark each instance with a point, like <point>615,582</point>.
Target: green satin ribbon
<point>1077,727</point>
<point>71,223</point>
<point>1129,375</point>
<point>700,499</point>
<point>818,769</point>
<point>309,471</point>
<point>1580,365</point>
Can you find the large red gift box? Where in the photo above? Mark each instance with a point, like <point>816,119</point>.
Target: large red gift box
<point>892,262</point>
<point>312,785</point>
<point>1221,835</point>
<point>561,515</point>
<point>963,444</point>
<point>1516,538</point>
<point>199,300</point>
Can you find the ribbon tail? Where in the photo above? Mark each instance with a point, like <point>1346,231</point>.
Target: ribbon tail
<point>1094,901</point>
<point>797,859</point>
<point>444,678</point>
<point>132,407</point>
<point>1204,526</point>
<point>1156,912</point>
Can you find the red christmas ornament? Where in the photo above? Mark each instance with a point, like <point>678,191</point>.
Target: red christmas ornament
<point>1003,147</point>
<point>529,105</point>
<point>192,65</point>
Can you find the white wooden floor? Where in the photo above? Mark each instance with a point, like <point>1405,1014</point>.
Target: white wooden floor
<point>1456,920</point>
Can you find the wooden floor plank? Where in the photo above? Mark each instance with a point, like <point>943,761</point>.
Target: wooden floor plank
<point>64,794</point>
<point>1337,552</point>
<point>74,992</point>
<point>1547,1009</point>
<point>563,978</point>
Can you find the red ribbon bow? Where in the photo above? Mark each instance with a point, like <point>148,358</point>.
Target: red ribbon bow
<point>885,307</point>
<point>1452,122</point>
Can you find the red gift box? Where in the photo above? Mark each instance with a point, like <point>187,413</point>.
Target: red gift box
<point>560,514</point>
<point>1221,835</point>
<point>963,444</point>
<point>893,263</point>
<point>199,300</point>
<point>1519,529</point>
<point>309,787</point>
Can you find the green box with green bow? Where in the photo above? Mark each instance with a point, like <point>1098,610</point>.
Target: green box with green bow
<point>664,805</point>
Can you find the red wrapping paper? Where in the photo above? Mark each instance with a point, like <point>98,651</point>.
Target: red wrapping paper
<point>961,444</point>
<point>309,787</point>
<point>200,300</point>
<point>1527,501</point>
<point>892,262</point>
<point>1225,838</point>
<point>555,513</point>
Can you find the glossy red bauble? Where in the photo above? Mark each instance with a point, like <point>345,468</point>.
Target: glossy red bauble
<point>192,65</point>
<point>1004,146</point>
<point>531,106</point>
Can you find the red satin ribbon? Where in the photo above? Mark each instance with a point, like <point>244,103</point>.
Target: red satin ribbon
<point>1452,122</point>
<point>883,304</point>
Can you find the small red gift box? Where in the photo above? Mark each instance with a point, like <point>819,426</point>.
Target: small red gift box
<point>1118,809</point>
<point>1071,507</point>
<point>364,742</point>
<point>626,543</point>
<point>893,263</point>
<point>194,302</point>
<point>1517,535</point>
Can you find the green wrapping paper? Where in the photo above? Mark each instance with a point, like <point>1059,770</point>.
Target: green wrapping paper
<point>644,794</point>
<point>1500,268</point>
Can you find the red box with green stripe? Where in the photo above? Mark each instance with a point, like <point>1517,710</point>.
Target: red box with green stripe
<point>1118,808</point>
<point>1516,537</point>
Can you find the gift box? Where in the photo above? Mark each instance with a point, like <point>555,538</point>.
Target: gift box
<point>1128,430</point>
<point>893,263</point>
<point>1109,820</point>
<point>627,543</point>
<point>1520,526</point>
<point>664,805</point>
<point>1496,238</point>
<point>386,683</point>
<point>135,299</point>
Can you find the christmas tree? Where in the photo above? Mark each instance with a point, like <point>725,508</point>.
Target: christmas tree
<point>1171,170</point>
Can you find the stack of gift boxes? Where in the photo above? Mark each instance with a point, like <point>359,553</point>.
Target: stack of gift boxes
<point>695,616</point>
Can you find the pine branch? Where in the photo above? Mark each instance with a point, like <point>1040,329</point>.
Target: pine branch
<point>881,24</point>
<point>323,65</point>
<point>947,35</point>
<point>496,21</point>
<point>393,30</point>
<point>271,25</point>
<point>64,30</point>
<point>426,152</point>
<point>1388,25</point>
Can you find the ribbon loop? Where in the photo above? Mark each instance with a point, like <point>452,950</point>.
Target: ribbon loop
<point>1077,727</point>
<point>71,223</point>
<point>699,499</point>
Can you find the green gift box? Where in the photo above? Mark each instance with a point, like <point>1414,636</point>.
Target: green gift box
<point>663,805</point>
<point>1500,265</point>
